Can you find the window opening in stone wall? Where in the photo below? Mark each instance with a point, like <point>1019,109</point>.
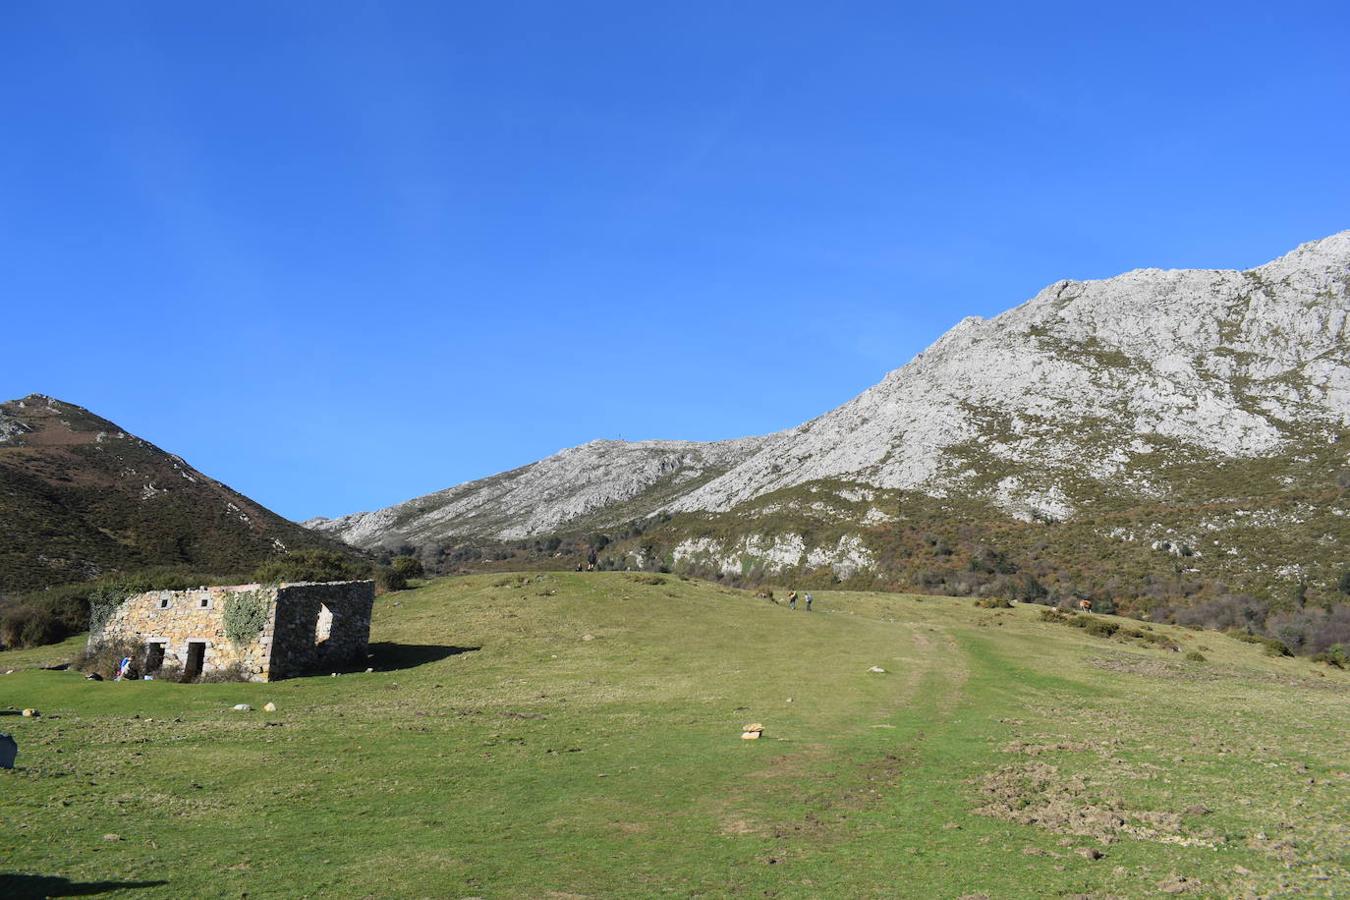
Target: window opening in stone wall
<point>163,602</point>
<point>206,603</point>
<point>323,628</point>
<point>154,657</point>
<point>196,658</point>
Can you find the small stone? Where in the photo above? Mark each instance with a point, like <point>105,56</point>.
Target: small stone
<point>30,713</point>
<point>753,726</point>
<point>369,670</point>
<point>111,838</point>
<point>878,669</point>
<point>951,826</point>
<point>269,707</point>
<point>1198,809</point>
<point>750,736</point>
<point>242,707</point>
<point>1089,852</point>
<point>588,637</point>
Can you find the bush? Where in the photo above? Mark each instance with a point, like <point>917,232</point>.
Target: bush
<point>1098,627</point>
<point>994,603</point>
<point>103,659</point>
<point>1335,655</point>
<point>389,579</point>
<point>245,615</point>
<point>1227,612</point>
<point>1195,656</point>
<point>311,565</point>
<point>407,566</point>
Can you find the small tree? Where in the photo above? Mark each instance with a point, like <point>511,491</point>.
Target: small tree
<point>408,566</point>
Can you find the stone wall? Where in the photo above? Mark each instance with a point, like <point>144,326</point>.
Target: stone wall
<point>321,626</point>
<point>305,627</point>
<point>177,618</point>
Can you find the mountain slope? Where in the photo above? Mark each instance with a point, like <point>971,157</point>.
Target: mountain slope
<point>1089,377</point>
<point>616,478</point>
<point>80,497</point>
<point>1158,409</point>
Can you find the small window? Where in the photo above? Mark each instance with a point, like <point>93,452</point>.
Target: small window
<point>205,602</point>
<point>163,602</point>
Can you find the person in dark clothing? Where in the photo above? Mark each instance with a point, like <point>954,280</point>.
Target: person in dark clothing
<point>792,600</point>
<point>809,598</point>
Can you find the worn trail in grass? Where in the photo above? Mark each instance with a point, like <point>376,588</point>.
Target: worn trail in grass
<point>580,735</point>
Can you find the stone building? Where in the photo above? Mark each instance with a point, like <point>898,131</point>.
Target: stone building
<point>268,631</point>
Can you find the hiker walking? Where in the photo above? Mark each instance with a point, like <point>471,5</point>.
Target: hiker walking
<point>809,598</point>
<point>792,599</point>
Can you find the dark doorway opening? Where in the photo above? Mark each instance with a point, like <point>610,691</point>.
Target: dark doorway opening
<point>196,655</point>
<point>154,657</point>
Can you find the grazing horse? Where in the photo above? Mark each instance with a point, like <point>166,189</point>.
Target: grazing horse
<point>1085,606</point>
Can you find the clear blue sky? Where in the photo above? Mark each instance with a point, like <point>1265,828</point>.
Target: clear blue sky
<point>337,255</point>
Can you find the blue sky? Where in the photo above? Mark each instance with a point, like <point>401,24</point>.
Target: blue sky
<point>337,255</point>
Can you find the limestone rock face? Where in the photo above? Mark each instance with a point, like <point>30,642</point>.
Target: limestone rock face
<point>549,494</point>
<point>1084,376</point>
<point>1086,390</point>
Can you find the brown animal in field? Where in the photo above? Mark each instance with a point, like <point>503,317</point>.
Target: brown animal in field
<point>1085,606</point>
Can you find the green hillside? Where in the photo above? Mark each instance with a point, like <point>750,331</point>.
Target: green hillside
<point>80,498</point>
<point>579,735</point>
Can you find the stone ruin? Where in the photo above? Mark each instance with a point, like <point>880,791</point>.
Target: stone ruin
<point>264,632</point>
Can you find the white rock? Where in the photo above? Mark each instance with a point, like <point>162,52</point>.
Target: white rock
<point>1086,379</point>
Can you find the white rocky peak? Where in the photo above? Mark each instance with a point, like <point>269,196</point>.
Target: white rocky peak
<point>1224,360</point>
<point>1084,377</point>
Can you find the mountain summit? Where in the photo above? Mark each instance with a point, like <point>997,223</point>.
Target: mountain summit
<point>1169,407</point>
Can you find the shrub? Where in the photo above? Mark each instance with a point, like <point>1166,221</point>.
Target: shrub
<point>1195,656</point>
<point>1226,612</point>
<point>389,579</point>
<point>311,565</point>
<point>245,615</point>
<point>1099,627</point>
<point>994,603</point>
<point>104,658</point>
<point>407,566</point>
<point>1031,590</point>
<point>1335,655</point>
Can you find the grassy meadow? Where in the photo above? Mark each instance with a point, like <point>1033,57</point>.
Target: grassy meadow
<point>579,735</point>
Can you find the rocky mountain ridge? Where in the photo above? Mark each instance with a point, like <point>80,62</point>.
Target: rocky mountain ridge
<point>1084,379</point>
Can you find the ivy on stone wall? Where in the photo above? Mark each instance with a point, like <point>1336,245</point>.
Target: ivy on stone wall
<point>245,616</point>
<point>103,602</point>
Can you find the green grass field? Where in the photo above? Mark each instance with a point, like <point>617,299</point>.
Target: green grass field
<point>569,735</point>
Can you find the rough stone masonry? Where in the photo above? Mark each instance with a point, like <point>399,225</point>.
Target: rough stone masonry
<point>266,631</point>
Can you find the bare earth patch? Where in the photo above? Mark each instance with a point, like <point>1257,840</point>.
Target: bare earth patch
<point>1038,794</point>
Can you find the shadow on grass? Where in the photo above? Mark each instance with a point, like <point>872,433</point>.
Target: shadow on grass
<point>23,887</point>
<point>389,657</point>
